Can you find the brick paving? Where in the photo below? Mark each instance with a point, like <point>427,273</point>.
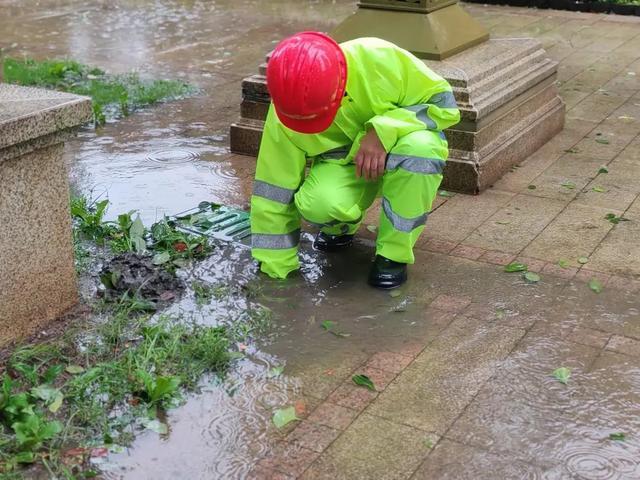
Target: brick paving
<point>478,399</point>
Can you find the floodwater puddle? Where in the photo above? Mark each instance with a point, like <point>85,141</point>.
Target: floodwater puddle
<point>167,159</point>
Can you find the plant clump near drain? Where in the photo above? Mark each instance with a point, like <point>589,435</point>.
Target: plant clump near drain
<point>130,273</point>
<point>69,401</point>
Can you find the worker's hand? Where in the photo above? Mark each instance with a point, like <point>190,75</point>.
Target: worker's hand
<point>371,158</point>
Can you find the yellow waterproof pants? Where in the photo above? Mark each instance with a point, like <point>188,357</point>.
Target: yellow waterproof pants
<point>332,198</point>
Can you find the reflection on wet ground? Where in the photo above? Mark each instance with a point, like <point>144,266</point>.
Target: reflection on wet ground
<point>462,357</point>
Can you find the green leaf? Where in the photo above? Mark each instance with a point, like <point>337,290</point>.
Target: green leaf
<point>599,189</point>
<point>156,426</point>
<point>603,141</point>
<point>563,263</point>
<point>57,403</point>
<point>24,457</point>
<point>180,262</point>
<point>603,169</point>
<point>531,187</point>
<point>275,372</point>
<point>572,150</point>
<point>161,258</point>
<point>562,374</point>
<point>531,277</point>
<point>445,193</point>
<point>139,245</point>
<point>137,228</point>
<point>395,293</point>
<point>74,369</point>
<point>516,267</point>
<point>503,222</point>
<point>583,260</point>
<point>595,285</point>
<point>372,228</point>
<point>46,393</point>
<point>428,443</point>
<point>363,381</point>
<point>568,185</point>
<point>620,436</point>
<point>328,325</point>
<point>284,416</point>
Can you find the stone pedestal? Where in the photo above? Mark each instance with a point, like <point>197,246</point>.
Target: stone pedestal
<point>507,96</point>
<point>37,272</point>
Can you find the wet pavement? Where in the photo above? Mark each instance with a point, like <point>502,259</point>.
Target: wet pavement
<point>463,358</point>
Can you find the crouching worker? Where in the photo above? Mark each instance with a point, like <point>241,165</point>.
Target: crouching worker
<point>369,115</point>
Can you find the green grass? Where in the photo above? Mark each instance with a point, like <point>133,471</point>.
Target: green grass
<point>112,95</point>
<point>112,377</point>
<point>108,378</point>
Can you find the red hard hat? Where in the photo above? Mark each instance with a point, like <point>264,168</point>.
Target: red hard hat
<point>306,78</point>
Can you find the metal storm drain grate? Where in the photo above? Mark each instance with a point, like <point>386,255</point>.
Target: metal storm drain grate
<point>216,221</point>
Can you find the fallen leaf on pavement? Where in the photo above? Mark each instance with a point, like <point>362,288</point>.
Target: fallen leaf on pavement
<point>562,374</point>
<point>363,381</point>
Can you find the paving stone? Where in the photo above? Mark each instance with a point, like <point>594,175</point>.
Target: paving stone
<point>585,275</point>
<point>466,251</point>
<point>352,396</point>
<point>268,474</point>
<point>573,169</point>
<point>625,345</point>
<point>332,415</point>
<point>566,273</point>
<point>620,188</point>
<point>575,233</point>
<point>288,458</point>
<point>435,244</point>
<point>619,252</point>
<point>533,264</point>
<point>631,153</point>
<point>389,361</point>
<point>604,144</point>
<point>623,284</point>
<point>451,303</point>
<point>455,461</point>
<point>497,258</point>
<point>523,410</point>
<point>380,378</point>
<point>589,336</point>
<point>440,224</point>
<point>372,448</point>
<point>527,217</point>
<point>431,392</point>
<point>313,436</point>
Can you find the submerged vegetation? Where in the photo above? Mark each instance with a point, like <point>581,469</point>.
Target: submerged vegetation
<point>71,400</point>
<point>112,95</point>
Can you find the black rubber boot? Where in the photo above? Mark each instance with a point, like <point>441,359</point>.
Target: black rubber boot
<point>332,243</point>
<point>387,274</point>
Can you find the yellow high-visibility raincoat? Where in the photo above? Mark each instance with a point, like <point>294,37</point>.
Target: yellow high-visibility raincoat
<point>408,105</point>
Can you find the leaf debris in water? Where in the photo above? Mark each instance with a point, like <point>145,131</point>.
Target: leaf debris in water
<point>329,325</point>
<point>595,285</point>
<point>516,267</point>
<point>531,277</point>
<point>562,374</point>
<point>363,381</point>
<point>275,372</point>
<point>620,436</point>
<point>284,416</point>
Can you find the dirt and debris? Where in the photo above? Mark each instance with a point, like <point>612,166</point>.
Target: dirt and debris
<point>138,276</point>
